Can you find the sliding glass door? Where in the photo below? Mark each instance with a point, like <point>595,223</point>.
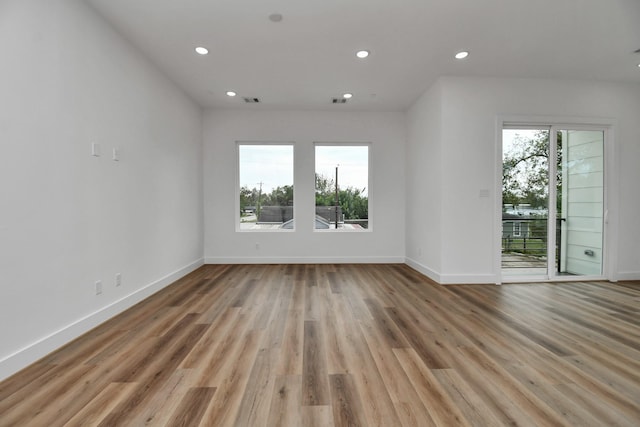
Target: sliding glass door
<point>552,202</point>
<point>580,202</point>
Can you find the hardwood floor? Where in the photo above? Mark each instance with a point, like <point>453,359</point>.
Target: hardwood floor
<point>345,345</point>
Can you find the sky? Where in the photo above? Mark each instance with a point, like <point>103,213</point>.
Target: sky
<point>508,136</point>
<point>273,165</point>
<point>352,162</point>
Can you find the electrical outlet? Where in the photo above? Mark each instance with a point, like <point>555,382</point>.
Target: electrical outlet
<point>118,279</point>
<point>98,287</point>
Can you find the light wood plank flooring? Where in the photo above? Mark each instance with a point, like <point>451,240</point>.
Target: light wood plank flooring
<point>345,345</point>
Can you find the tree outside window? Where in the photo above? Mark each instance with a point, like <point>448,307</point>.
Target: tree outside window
<point>266,186</point>
<point>342,185</point>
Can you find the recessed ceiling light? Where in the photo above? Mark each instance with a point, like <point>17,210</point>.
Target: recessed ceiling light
<point>462,55</point>
<point>362,54</point>
<point>202,50</point>
<point>639,65</point>
<point>231,93</point>
<point>275,17</point>
<point>347,95</point>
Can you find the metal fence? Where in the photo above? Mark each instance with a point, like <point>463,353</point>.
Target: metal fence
<point>525,235</point>
<point>530,237</point>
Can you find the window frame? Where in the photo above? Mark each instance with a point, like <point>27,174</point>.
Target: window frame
<point>236,203</point>
<point>369,146</point>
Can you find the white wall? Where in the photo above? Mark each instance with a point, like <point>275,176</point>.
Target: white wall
<point>470,108</point>
<point>424,183</point>
<point>68,219</point>
<point>385,132</point>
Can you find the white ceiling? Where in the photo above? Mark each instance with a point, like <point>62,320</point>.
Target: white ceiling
<point>308,58</point>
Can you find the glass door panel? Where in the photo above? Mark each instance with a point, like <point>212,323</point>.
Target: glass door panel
<point>525,202</point>
<point>580,202</point>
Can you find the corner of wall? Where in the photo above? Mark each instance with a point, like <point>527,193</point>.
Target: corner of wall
<point>35,351</point>
<point>423,269</point>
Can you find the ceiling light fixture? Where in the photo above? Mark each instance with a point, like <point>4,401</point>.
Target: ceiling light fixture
<point>231,93</point>
<point>347,95</point>
<point>462,55</point>
<point>362,54</point>
<point>202,50</point>
<point>275,17</point>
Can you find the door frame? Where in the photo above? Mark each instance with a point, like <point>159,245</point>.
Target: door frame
<point>610,220</point>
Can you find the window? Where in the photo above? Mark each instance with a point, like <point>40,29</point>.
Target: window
<point>265,176</point>
<point>342,187</point>
<point>517,229</point>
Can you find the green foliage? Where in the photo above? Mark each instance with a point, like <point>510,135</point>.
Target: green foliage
<point>279,196</point>
<point>354,204</point>
<point>325,191</point>
<point>248,197</point>
<point>525,171</point>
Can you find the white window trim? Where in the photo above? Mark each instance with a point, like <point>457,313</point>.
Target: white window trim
<point>236,203</point>
<point>369,228</point>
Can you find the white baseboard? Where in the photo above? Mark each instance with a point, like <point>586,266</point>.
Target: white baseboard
<point>420,268</point>
<point>304,260</point>
<point>37,350</point>
<point>628,275</point>
<point>451,279</point>
<point>469,279</point>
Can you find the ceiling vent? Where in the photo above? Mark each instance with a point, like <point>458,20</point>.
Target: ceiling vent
<point>636,51</point>
<point>339,100</point>
<point>251,100</point>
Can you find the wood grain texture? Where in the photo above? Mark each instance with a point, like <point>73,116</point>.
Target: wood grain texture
<point>192,407</point>
<point>345,345</point>
<point>345,401</point>
<point>315,382</point>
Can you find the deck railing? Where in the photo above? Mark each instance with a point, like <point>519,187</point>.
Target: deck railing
<point>532,238</point>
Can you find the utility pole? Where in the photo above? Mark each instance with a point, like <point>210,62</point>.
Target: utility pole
<point>259,207</point>
<point>337,198</point>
